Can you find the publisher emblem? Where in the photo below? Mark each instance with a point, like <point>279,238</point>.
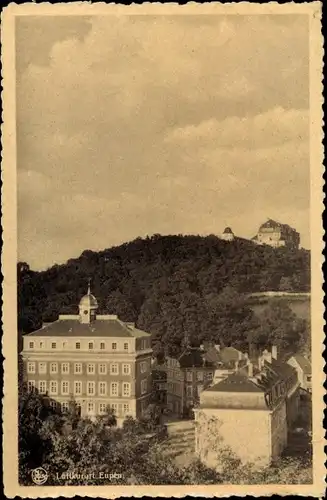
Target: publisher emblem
<point>39,475</point>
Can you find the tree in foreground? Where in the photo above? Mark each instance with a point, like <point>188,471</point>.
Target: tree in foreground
<point>67,446</point>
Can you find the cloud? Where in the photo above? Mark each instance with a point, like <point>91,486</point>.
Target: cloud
<point>172,124</point>
<point>275,126</point>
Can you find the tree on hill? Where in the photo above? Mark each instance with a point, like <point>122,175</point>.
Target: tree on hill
<point>278,325</point>
<point>172,286</point>
<point>230,320</point>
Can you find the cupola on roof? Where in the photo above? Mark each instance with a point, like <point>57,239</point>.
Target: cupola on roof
<point>88,301</point>
<point>227,230</point>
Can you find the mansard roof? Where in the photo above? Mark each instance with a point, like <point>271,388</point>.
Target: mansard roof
<point>111,327</point>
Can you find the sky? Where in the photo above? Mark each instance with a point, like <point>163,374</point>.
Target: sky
<point>134,125</point>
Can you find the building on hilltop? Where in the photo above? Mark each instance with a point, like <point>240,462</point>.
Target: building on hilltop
<point>259,401</point>
<point>277,235</point>
<point>227,235</point>
<point>97,360</point>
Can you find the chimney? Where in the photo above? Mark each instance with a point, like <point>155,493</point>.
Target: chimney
<point>260,363</point>
<point>202,347</point>
<point>274,352</point>
<point>250,369</point>
<point>217,346</point>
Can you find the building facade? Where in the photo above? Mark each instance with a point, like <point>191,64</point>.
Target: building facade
<point>179,382</point>
<point>96,360</point>
<point>260,402</point>
<point>277,235</point>
<point>303,369</point>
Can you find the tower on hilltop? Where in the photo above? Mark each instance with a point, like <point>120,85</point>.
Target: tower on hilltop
<point>228,234</point>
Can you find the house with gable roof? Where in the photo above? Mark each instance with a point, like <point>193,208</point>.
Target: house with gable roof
<point>248,413</point>
<point>303,369</point>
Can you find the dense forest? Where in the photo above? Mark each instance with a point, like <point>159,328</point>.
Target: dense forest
<point>175,287</point>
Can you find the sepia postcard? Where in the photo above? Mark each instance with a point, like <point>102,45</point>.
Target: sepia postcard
<point>162,201</point>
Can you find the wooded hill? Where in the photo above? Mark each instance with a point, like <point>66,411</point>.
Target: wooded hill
<point>168,285</point>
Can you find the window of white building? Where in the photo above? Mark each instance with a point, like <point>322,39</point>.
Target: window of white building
<point>30,367</point>
<point>126,369</point>
<point>114,389</point>
<point>65,387</point>
<point>114,370</point>
<point>53,387</point>
<point>64,367</point>
<point>31,385</point>
<point>64,406</point>
<point>53,367</point>
<point>126,389</point>
<point>42,367</point>
<point>91,368</point>
<point>102,408</point>
<point>77,387</point>
<point>102,368</point>
<point>90,407</point>
<point>102,388</point>
<point>126,408</point>
<point>77,368</point>
<point>42,386</point>
<point>90,388</point>
<point>114,407</point>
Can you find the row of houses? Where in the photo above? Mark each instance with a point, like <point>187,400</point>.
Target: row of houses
<point>231,396</point>
<point>101,361</point>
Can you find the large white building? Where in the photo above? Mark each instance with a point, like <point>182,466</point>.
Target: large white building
<point>96,360</point>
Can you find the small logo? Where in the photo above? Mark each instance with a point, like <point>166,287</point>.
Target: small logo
<point>39,475</point>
